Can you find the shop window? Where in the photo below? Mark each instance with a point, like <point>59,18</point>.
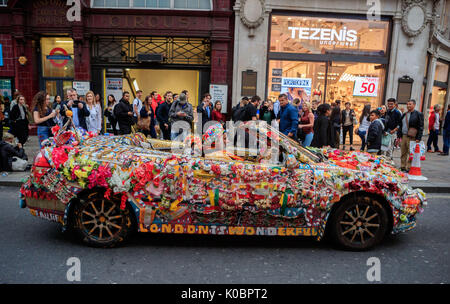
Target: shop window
<point>358,83</point>
<point>154,4</point>
<point>438,96</point>
<point>441,73</point>
<point>315,35</point>
<point>57,57</point>
<point>298,79</point>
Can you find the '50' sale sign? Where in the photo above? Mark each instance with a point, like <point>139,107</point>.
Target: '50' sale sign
<point>365,86</point>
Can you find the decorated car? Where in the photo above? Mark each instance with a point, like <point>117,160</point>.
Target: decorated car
<point>106,187</point>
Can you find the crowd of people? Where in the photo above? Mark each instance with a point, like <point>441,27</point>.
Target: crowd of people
<point>165,117</point>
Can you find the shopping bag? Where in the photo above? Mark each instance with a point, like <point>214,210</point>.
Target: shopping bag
<point>386,142</point>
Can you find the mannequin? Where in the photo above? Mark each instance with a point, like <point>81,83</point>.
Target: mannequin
<point>317,94</point>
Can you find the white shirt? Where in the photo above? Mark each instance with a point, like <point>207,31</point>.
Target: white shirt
<point>137,102</point>
<point>94,120</point>
<point>364,126</point>
<point>436,121</point>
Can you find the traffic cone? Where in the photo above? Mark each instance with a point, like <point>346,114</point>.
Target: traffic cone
<point>415,173</point>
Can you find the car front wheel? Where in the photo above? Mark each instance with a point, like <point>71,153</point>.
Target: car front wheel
<point>359,223</point>
<point>100,222</point>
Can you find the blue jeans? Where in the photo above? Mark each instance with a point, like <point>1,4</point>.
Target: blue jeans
<point>362,135</point>
<point>308,139</point>
<point>446,139</point>
<point>43,133</point>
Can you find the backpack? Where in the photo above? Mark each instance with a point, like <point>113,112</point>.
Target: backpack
<point>238,113</point>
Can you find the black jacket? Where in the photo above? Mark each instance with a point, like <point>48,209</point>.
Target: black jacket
<point>82,114</point>
<point>203,114</point>
<point>393,119</point>
<point>121,112</point>
<point>322,132</point>
<point>162,113</point>
<point>415,121</point>
<point>344,114</point>
<point>374,135</point>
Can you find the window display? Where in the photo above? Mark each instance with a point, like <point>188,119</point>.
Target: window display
<point>359,83</point>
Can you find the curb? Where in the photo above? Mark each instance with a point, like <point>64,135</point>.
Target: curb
<point>11,183</point>
<point>432,189</point>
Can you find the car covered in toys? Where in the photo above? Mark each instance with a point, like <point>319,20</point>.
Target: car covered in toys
<point>106,187</point>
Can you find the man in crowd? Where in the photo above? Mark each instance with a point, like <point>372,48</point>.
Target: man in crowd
<point>288,117</point>
<point>204,111</point>
<point>347,118</point>
<point>124,114</point>
<point>374,133</point>
<point>251,109</point>
<point>137,105</point>
<point>78,108</point>
<point>162,114</point>
<point>393,122</point>
<point>180,111</point>
<point>10,148</point>
<point>411,128</point>
<point>446,133</point>
<point>238,112</point>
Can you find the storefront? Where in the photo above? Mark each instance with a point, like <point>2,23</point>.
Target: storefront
<point>148,45</point>
<point>357,51</point>
<point>323,58</point>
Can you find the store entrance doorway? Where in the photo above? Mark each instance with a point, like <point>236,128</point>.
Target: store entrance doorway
<point>161,81</point>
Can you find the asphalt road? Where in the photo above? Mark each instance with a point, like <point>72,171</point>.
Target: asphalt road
<point>35,251</point>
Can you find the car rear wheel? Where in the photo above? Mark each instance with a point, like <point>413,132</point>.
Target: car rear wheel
<point>100,222</point>
<point>359,223</point>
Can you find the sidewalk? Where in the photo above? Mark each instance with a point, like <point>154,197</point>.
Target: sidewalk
<point>436,168</point>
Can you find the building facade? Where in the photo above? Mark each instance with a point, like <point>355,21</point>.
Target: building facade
<point>114,45</point>
<point>352,50</point>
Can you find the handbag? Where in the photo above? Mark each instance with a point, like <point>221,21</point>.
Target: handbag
<point>412,132</point>
<point>144,123</point>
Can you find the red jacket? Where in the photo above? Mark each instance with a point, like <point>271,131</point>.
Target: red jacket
<point>431,121</point>
<point>217,116</point>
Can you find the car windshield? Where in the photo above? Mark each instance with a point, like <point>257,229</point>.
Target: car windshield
<point>254,141</point>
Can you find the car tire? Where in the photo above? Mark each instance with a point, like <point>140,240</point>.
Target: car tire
<point>359,223</point>
<point>99,221</point>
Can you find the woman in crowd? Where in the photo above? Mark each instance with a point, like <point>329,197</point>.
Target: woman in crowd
<point>217,112</point>
<point>98,99</point>
<point>19,120</point>
<point>146,116</point>
<point>94,120</point>
<point>307,123</point>
<point>43,116</point>
<point>364,123</point>
<point>109,113</point>
<point>56,102</point>
<point>322,127</point>
<point>335,120</point>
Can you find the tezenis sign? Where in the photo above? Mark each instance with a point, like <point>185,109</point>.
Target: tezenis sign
<point>324,34</point>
